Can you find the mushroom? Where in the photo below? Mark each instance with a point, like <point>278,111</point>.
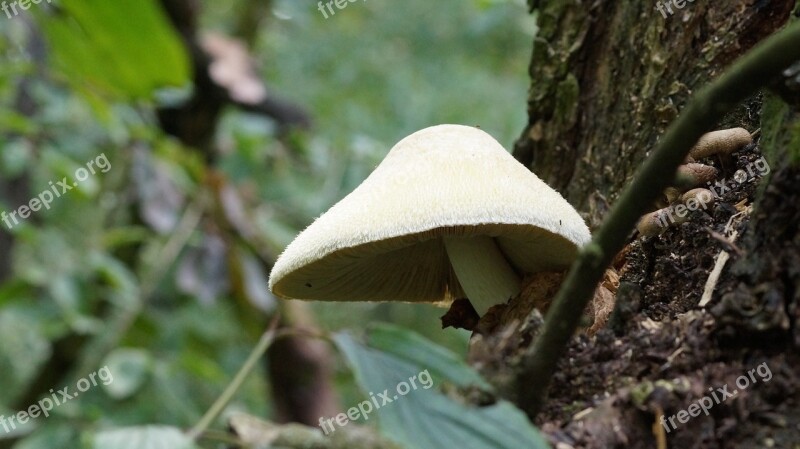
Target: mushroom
<point>657,222</point>
<point>449,213</point>
<point>724,141</point>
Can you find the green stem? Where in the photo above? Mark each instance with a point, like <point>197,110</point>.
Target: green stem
<point>219,405</point>
<point>751,72</point>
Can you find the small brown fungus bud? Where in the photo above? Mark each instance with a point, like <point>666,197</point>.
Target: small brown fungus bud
<point>694,175</point>
<point>657,222</point>
<point>653,223</point>
<point>725,141</point>
<point>704,196</point>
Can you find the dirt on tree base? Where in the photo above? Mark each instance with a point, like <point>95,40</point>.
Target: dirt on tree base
<point>655,376</point>
<point>634,384</point>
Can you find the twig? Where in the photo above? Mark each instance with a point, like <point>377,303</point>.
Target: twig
<point>226,396</point>
<point>658,429</point>
<point>713,278</point>
<point>748,74</point>
<point>728,243</point>
<point>722,258</point>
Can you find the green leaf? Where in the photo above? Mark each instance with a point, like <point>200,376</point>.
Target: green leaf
<point>49,436</point>
<point>425,418</point>
<point>130,368</point>
<point>414,348</point>
<point>23,352</point>
<point>146,437</point>
<point>17,153</point>
<point>125,49</point>
<point>124,286</point>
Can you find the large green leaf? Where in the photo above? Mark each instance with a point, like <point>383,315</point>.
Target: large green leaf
<point>124,48</point>
<point>146,437</point>
<point>416,349</point>
<point>425,418</point>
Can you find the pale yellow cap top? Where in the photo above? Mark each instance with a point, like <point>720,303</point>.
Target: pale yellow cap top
<point>382,241</point>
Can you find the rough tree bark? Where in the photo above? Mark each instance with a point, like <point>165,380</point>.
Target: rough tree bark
<point>607,78</point>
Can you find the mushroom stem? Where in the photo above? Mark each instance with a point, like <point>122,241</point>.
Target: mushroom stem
<point>482,270</point>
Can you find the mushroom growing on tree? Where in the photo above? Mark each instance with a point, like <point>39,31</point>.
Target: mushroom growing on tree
<point>448,214</point>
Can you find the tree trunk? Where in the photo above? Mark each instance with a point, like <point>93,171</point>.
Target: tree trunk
<point>607,79</point>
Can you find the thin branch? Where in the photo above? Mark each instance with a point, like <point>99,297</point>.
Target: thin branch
<point>219,405</point>
<point>751,72</point>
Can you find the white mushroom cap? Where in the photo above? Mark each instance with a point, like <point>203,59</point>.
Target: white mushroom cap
<point>384,241</point>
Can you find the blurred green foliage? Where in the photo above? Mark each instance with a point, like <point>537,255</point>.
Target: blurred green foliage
<point>109,268</point>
